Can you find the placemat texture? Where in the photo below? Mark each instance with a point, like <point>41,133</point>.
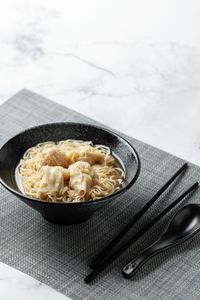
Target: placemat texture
<point>58,255</point>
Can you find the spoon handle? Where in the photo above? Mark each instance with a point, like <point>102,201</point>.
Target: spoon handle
<point>132,267</point>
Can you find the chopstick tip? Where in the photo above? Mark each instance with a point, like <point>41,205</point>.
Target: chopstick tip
<point>88,278</point>
<point>92,265</point>
<point>185,165</point>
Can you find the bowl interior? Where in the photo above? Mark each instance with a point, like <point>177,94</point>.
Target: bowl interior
<point>13,150</point>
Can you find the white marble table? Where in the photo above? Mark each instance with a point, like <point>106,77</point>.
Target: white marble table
<point>133,65</point>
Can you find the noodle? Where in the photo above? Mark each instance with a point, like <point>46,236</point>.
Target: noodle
<point>69,171</point>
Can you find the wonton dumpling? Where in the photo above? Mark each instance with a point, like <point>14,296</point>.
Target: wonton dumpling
<point>72,156</point>
<point>53,157</point>
<point>91,155</point>
<point>52,182</point>
<point>80,177</point>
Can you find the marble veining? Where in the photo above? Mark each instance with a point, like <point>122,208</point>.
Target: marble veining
<point>138,88</point>
<point>133,65</point>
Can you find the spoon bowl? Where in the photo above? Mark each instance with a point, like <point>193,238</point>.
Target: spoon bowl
<point>183,225</point>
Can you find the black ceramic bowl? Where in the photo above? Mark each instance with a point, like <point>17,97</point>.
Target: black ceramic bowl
<point>66,213</point>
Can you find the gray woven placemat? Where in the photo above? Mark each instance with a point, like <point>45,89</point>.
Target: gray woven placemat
<point>59,255</point>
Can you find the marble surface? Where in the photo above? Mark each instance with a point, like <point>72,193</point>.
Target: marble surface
<point>133,65</point>
<point>17,285</point>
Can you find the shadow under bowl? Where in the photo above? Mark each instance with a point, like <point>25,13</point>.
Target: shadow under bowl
<point>66,213</point>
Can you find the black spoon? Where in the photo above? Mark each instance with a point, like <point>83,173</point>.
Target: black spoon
<point>183,225</point>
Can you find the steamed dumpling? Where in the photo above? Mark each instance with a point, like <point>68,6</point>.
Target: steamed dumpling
<point>91,155</point>
<point>53,157</point>
<point>80,177</point>
<point>52,181</point>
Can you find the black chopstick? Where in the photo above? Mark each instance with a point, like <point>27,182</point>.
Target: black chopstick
<point>123,248</point>
<point>98,259</point>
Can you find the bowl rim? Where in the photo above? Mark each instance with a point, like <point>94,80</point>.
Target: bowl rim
<point>117,193</point>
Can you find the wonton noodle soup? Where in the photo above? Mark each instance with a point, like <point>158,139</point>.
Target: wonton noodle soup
<point>69,171</point>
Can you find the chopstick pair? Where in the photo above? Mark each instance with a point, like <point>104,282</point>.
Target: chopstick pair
<point>100,262</point>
